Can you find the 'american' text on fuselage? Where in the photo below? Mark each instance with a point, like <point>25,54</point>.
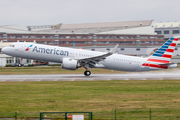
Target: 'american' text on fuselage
<point>50,51</point>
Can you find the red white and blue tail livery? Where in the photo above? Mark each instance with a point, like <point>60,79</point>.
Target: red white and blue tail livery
<point>161,58</point>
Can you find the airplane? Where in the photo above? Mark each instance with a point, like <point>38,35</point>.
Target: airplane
<point>73,59</point>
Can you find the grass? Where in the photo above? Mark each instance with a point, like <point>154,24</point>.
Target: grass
<point>131,98</point>
<point>100,97</point>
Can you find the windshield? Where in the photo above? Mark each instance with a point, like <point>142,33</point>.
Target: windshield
<point>11,45</point>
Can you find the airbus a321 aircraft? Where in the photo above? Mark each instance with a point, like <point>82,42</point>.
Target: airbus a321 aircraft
<point>72,59</point>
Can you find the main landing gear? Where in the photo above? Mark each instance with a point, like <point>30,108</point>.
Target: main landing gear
<point>87,72</point>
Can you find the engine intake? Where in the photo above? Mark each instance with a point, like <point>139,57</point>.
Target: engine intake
<point>70,64</point>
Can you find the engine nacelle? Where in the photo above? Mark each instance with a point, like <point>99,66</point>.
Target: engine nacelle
<point>70,64</point>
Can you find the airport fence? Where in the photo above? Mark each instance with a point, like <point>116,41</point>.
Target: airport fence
<point>19,115</point>
<point>115,114</point>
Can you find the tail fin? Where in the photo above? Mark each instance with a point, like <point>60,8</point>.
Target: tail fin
<point>161,58</point>
<point>164,53</point>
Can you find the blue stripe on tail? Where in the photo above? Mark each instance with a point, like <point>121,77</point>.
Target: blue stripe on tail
<point>161,49</point>
<point>159,52</point>
<point>158,55</point>
<point>164,46</point>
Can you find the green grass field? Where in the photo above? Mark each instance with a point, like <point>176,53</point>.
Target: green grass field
<point>94,96</point>
<point>132,97</point>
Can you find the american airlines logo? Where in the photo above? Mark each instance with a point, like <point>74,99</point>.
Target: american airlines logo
<point>50,51</point>
<point>27,49</point>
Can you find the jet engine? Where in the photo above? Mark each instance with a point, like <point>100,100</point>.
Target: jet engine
<point>70,64</point>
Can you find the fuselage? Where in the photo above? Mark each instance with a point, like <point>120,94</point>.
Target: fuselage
<point>57,54</point>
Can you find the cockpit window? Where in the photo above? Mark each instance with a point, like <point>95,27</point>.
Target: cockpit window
<point>12,45</point>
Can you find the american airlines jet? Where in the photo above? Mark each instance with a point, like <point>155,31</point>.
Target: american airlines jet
<point>72,59</point>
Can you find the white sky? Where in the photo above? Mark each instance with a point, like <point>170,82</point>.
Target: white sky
<point>49,12</point>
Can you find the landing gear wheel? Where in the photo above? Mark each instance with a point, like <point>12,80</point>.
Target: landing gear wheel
<point>87,73</point>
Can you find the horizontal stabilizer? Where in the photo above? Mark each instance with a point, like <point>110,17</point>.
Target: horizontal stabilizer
<point>167,64</point>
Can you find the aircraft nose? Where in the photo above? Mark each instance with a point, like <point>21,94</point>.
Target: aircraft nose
<point>4,50</point>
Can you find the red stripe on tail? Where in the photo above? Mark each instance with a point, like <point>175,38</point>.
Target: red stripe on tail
<point>154,65</point>
<point>173,44</point>
<point>166,56</point>
<point>160,61</point>
<point>169,50</point>
<point>175,39</point>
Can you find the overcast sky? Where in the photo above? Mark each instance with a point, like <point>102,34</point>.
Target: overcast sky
<point>50,12</point>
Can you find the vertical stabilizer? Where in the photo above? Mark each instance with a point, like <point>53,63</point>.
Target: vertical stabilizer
<point>162,56</point>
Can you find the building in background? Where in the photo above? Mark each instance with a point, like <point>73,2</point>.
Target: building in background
<point>168,29</point>
<point>131,33</point>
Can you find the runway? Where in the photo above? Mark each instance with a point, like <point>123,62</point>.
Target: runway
<point>81,77</point>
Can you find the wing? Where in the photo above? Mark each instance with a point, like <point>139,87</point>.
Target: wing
<point>92,61</point>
